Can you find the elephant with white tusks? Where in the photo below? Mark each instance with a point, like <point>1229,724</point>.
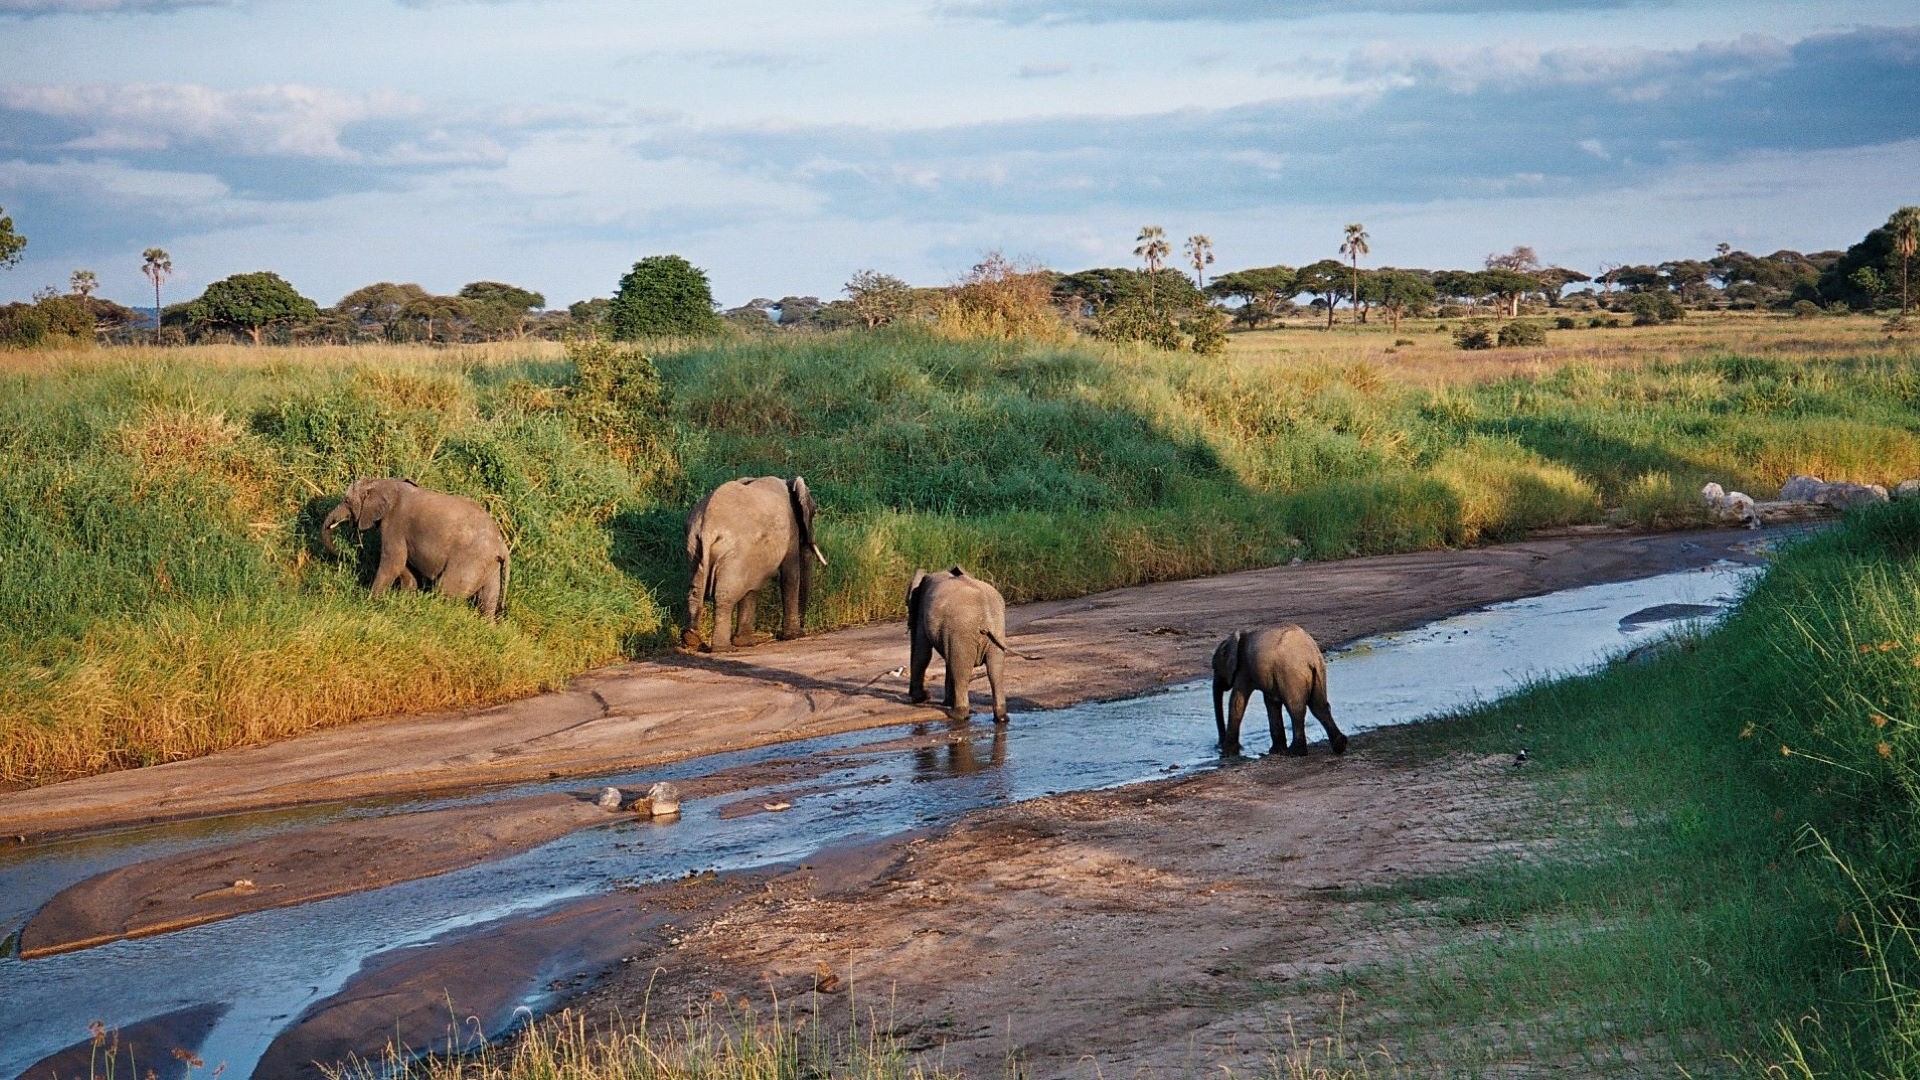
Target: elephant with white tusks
<point>1285,665</point>
<point>738,538</point>
<point>963,619</point>
<point>428,537</point>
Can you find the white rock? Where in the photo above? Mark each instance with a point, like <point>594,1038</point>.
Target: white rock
<point>1801,488</point>
<point>664,798</point>
<point>1713,494</point>
<point>609,799</point>
<point>1840,494</point>
<point>1906,489</point>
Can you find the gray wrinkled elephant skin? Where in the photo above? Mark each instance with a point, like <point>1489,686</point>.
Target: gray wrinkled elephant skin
<point>739,538</point>
<point>963,619</point>
<point>447,542</point>
<point>1285,665</point>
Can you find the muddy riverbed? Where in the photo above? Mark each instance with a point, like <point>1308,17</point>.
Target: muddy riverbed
<point>274,936</point>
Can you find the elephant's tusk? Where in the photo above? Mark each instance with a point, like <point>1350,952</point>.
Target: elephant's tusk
<point>817,555</point>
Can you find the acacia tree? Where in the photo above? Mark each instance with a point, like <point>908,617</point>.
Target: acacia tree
<point>499,308</point>
<point>1354,246</point>
<point>251,302</point>
<point>878,298</point>
<point>1200,256</point>
<point>662,295</point>
<point>157,265</point>
<point>1323,280</point>
<point>11,242</point>
<point>382,303</point>
<point>1399,291</point>
<point>1260,291</point>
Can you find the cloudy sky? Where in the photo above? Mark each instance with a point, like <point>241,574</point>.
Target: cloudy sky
<point>783,146</point>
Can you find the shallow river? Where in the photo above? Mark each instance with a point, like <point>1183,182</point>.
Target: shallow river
<point>270,966</point>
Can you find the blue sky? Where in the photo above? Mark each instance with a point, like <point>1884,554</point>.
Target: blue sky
<point>782,146</point>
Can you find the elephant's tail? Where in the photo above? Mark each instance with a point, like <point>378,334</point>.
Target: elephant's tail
<point>506,571</point>
<point>1000,643</point>
<point>704,566</point>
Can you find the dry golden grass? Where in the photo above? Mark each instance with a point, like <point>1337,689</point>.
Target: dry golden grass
<point>1433,361</point>
<point>456,357</point>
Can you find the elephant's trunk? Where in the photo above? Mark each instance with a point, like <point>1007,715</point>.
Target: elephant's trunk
<point>336,516</point>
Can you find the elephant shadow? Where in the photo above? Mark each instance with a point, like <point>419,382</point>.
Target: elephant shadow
<point>877,687</point>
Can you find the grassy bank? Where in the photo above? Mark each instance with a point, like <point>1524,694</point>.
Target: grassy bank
<point>163,595</point>
<point>1731,887</point>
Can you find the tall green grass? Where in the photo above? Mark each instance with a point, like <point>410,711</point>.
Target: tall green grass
<point>1731,889</point>
<point>162,592</point>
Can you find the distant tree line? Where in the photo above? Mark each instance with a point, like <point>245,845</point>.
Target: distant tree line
<point>665,295</point>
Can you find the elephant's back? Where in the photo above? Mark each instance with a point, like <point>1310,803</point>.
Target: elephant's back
<point>1289,646</point>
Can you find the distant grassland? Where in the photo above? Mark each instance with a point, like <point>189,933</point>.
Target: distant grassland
<point>162,592</point>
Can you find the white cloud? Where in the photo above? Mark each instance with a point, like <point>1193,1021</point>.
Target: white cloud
<point>99,7</point>
<point>295,121</point>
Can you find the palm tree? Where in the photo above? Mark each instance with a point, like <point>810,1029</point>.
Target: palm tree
<point>1153,251</point>
<point>158,266</point>
<point>83,283</point>
<point>1354,246</point>
<point>1905,225</point>
<point>1200,254</point>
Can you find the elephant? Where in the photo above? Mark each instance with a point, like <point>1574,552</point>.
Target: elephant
<point>446,541</point>
<point>965,621</point>
<point>739,537</point>
<point>1285,665</point>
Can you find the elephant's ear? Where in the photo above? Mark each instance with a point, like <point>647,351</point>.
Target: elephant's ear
<point>374,502</point>
<point>803,509</point>
<point>914,593</point>
<point>1226,656</point>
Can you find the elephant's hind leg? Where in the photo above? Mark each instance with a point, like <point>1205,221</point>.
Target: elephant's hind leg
<point>1277,711</point>
<point>487,597</point>
<point>996,662</point>
<point>748,633</point>
<point>922,655</point>
<point>1323,712</point>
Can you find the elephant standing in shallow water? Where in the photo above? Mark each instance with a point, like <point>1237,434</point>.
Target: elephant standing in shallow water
<point>428,537</point>
<point>1285,665</point>
<point>965,621</point>
<point>738,538</point>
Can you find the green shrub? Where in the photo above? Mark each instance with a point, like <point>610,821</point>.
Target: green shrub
<point>1565,322</point>
<point>1518,334</point>
<point>1805,309</point>
<point>1478,334</point>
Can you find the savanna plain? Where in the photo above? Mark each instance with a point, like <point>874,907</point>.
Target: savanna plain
<point>1707,869</point>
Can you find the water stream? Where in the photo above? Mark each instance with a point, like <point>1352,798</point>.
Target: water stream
<point>273,964</point>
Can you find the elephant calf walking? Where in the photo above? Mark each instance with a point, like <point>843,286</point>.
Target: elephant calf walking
<point>430,537</point>
<point>963,619</point>
<point>1285,665</point>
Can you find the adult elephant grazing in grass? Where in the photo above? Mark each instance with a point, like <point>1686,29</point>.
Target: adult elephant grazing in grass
<point>445,541</point>
<point>1285,665</point>
<point>965,621</point>
<point>738,538</point>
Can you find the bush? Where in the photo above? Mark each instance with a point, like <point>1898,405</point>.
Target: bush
<point>1474,335</point>
<point>1518,334</point>
<point>1805,309</point>
<point>1207,331</point>
<point>662,296</point>
<point>1651,308</point>
<point>616,400</point>
<point>1599,322</point>
<point>1565,322</point>
<point>998,298</point>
